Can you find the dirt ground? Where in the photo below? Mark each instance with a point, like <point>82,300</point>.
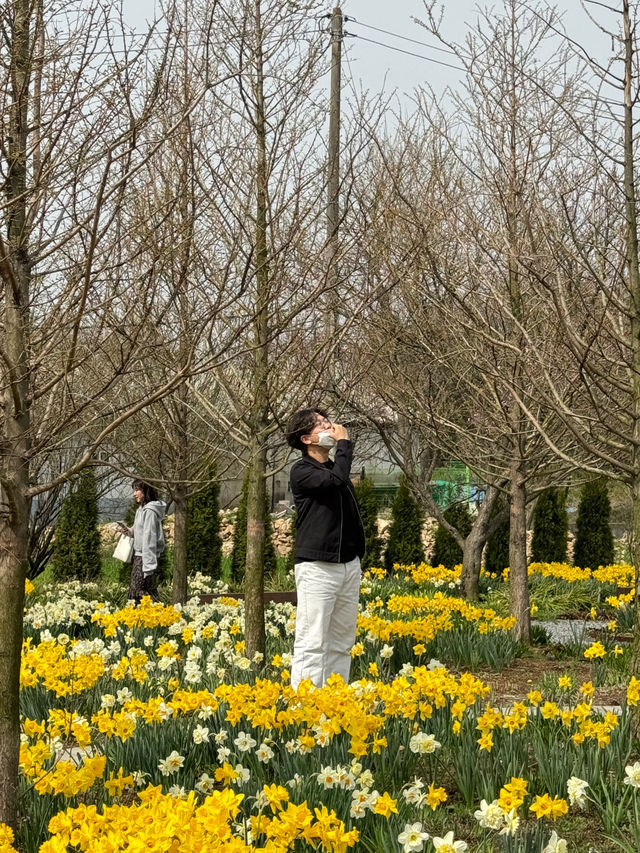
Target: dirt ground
<point>542,666</point>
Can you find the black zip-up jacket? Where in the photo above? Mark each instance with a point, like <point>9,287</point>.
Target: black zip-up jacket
<point>329,527</point>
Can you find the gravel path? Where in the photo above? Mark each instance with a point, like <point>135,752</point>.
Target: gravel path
<point>570,630</point>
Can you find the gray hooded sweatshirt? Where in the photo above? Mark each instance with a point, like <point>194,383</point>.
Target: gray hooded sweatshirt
<point>148,538</point>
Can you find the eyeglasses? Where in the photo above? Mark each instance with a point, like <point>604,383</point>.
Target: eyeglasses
<point>325,423</point>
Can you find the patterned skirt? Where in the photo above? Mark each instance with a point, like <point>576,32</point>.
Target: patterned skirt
<point>141,585</point>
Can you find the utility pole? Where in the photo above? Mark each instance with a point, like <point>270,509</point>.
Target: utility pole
<point>333,168</point>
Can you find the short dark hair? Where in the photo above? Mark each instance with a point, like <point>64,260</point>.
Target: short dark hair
<point>302,423</point>
<point>148,491</point>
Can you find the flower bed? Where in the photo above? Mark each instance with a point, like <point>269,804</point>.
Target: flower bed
<point>148,728</point>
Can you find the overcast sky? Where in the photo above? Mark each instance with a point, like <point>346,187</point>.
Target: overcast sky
<point>374,66</point>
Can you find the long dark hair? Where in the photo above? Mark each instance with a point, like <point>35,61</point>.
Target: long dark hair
<point>149,493</point>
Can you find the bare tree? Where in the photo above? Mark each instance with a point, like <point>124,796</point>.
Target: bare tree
<point>591,284</point>
<point>272,194</point>
<point>466,179</point>
<point>80,304</point>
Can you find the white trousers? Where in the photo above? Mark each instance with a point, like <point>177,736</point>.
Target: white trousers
<point>326,617</point>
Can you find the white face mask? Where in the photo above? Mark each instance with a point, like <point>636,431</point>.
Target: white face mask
<point>325,439</point>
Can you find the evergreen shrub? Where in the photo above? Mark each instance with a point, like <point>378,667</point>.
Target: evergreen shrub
<point>446,551</point>
<point>550,527</point>
<point>291,560</point>
<point>405,533</point>
<point>76,549</point>
<point>204,543</point>
<point>368,506</point>
<point>594,539</point>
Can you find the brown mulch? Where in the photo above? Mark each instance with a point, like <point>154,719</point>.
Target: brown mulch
<point>526,673</point>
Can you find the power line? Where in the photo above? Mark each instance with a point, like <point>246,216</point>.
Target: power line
<point>141,49</point>
<point>407,52</point>
<point>398,36</point>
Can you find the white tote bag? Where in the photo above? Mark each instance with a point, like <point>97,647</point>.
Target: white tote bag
<point>124,548</point>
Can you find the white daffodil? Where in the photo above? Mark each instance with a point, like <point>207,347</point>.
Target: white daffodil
<point>365,780</point>
<point>489,815</point>
<point>555,845</point>
<point>108,700</point>
<point>576,789</point>
<point>243,773</point>
<point>448,845</point>
<point>423,743</point>
<point>201,734</point>
<point>264,753</point>
<point>178,792</point>
<point>244,741</point>
<point>358,810</point>
<point>633,774</point>
<point>124,695</point>
<point>511,823</point>
<point>205,783</point>
<point>412,837</point>
<point>327,777</point>
<point>171,764</point>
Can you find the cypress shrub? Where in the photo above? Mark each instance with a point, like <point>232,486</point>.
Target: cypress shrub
<point>76,549</point>
<point>204,544</point>
<point>130,514</point>
<point>368,506</point>
<point>291,560</point>
<point>405,533</point>
<point>446,551</point>
<point>594,539</point>
<point>496,555</point>
<point>550,528</point>
<point>239,553</point>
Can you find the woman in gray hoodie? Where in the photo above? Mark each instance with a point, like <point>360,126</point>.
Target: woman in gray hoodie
<point>148,541</point>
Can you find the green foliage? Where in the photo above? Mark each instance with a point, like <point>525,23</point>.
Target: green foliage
<point>76,550</point>
<point>368,506</point>
<point>594,539</point>
<point>130,514</point>
<point>291,560</point>
<point>446,551</point>
<point>405,534</point>
<point>496,554</point>
<point>239,553</point>
<point>204,544</point>
<point>550,528</point>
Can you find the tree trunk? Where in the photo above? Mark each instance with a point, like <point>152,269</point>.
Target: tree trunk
<point>518,577</point>
<point>633,264</point>
<point>180,541</point>
<point>14,535</point>
<point>471,563</point>
<point>181,489</point>
<point>259,416</point>
<point>635,556</point>
<point>254,629</point>
<point>15,270</point>
<point>474,545</point>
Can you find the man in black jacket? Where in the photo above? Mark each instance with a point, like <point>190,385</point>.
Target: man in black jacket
<point>328,549</point>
